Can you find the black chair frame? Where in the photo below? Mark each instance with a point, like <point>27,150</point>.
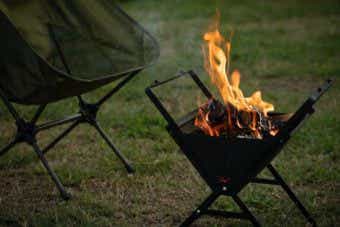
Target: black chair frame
<point>27,130</point>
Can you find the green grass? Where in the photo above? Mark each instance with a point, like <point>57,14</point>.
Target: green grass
<point>284,48</point>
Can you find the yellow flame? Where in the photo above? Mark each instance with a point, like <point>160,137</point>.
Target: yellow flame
<point>242,113</point>
<point>217,65</point>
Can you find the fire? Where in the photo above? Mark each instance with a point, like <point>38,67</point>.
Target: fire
<point>239,114</point>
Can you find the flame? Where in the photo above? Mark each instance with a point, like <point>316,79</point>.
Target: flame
<point>216,53</point>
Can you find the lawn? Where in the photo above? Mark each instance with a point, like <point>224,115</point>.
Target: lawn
<point>284,48</point>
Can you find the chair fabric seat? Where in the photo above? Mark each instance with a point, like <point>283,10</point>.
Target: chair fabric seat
<point>98,41</point>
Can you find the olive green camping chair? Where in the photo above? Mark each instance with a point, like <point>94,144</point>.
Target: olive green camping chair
<point>55,49</point>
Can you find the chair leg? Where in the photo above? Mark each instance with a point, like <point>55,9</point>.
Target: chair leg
<point>291,195</point>
<point>113,147</point>
<point>9,106</point>
<point>38,113</point>
<point>5,149</point>
<point>117,88</point>
<point>245,209</point>
<point>63,192</point>
<point>60,137</point>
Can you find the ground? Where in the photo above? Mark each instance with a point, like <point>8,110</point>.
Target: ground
<point>283,48</point>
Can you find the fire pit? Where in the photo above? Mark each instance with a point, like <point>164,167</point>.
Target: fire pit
<point>228,164</point>
<point>231,142</point>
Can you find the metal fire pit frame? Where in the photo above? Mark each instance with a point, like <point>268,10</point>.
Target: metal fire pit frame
<point>276,143</point>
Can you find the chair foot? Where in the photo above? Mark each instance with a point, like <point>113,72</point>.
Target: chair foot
<point>130,169</point>
<point>64,194</point>
<point>127,165</point>
<point>312,222</point>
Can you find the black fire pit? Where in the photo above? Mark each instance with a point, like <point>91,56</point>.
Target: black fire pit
<point>228,165</point>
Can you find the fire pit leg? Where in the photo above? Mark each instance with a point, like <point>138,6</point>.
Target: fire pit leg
<point>203,209</point>
<point>245,209</point>
<point>291,195</point>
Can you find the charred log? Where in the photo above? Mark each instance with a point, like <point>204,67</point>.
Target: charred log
<point>217,119</point>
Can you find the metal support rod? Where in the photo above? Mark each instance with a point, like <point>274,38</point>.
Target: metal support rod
<point>201,209</point>
<point>200,84</point>
<point>113,147</point>
<point>5,149</point>
<point>156,101</point>
<point>80,100</point>
<point>9,106</point>
<point>62,56</point>
<point>54,177</point>
<point>60,51</point>
<point>117,88</point>
<point>304,111</point>
<point>61,136</point>
<point>245,209</point>
<point>291,195</point>
<point>171,122</point>
<point>38,113</point>
<point>226,214</point>
<point>51,124</point>
<point>265,181</point>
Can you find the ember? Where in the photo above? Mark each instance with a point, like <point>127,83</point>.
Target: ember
<point>239,116</point>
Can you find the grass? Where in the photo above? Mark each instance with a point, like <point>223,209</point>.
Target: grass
<point>284,48</point>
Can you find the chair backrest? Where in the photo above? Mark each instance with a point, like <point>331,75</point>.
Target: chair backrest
<point>96,30</point>
<point>97,39</point>
<point>22,71</point>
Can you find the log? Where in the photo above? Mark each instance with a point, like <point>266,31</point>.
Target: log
<point>231,122</point>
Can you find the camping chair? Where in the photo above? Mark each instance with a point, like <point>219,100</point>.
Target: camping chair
<point>48,49</point>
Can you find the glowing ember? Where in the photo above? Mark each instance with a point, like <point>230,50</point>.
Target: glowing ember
<point>239,116</point>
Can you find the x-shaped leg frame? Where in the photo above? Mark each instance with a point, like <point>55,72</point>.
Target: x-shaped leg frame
<point>245,213</point>
<point>27,130</point>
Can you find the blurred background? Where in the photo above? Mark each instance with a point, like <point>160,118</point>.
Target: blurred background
<point>283,48</point>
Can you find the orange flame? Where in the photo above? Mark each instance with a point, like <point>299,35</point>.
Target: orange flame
<point>217,63</point>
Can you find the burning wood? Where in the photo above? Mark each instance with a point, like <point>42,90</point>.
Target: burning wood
<point>239,116</point>
<point>216,119</point>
